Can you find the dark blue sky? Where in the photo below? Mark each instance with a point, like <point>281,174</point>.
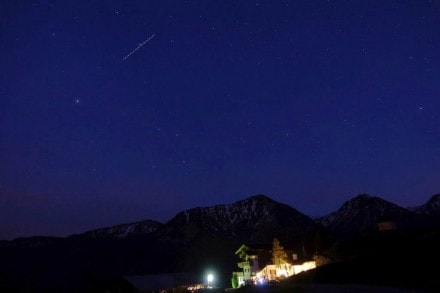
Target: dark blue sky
<point>307,102</point>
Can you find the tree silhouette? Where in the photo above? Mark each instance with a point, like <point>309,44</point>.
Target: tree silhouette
<point>279,256</point>
<point>234,281</point>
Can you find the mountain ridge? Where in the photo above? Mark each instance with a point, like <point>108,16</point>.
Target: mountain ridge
<point>238,219</point>
<point>123,230</point>
<point>362,213</point>
<point>430,208</point>
<point>196,238</point>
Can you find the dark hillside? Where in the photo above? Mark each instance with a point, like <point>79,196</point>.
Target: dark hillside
<point>407,261</point>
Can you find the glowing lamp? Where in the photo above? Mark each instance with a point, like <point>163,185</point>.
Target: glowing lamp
<point>210,278</point>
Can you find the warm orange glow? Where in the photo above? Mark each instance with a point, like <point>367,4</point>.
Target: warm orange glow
<point>304,267</point>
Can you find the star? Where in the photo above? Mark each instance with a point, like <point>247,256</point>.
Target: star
<point>77,101</point>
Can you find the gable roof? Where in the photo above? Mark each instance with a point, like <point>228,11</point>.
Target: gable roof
<point>253,247</point>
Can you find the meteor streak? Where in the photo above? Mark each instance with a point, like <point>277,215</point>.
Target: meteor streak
<point>138,47</point>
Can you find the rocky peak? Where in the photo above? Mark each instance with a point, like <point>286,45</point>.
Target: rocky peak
<point>434,201</point>
<point>362,213</point>
<point>430,208</point>
<point>243,217</point>
<point>124,230</point>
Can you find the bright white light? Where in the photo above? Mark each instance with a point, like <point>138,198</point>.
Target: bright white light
<point>210,278</point>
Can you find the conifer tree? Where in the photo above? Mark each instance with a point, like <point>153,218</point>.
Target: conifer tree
<point>234,281</point>
<point>279,256</point>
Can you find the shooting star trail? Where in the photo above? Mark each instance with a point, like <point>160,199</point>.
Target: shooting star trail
<point>138,47</point>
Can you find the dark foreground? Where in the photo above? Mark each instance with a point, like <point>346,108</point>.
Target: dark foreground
<point>327,288</point>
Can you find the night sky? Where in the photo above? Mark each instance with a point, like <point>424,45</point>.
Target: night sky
<point>119,111</point>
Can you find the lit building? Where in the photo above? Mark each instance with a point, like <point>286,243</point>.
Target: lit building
<point>250,255</point>
<point>386,224</point>
<point>256,264</point>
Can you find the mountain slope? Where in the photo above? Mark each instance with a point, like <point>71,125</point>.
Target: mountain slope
<point>431,208</point>
<point>256,218</point>
<point>401,261</point>
<point>124,230</point>
<point>209,236</point>
<point>362,213</point>
<point>192,241</point>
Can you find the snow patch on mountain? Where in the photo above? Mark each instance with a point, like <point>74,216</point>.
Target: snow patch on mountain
<point>245,217</point>
<point>124,230</point>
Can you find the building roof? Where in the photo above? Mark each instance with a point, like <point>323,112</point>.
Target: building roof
<point>253,247</point>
